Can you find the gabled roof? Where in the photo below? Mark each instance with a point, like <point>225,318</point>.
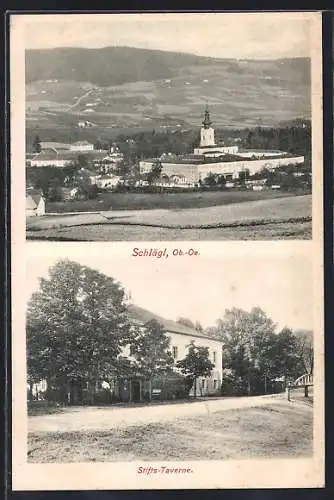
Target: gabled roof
<point>53,156</point>
<point>54,145</point>
<point>82,143</point>
<point>143,316</point>
<point>30,203</point>
<point>33,197</point>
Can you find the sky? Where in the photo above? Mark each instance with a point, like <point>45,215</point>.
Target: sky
<point>272,277</point>
<point>226,35</point>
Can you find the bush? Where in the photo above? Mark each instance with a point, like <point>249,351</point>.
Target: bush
<point>233,386</point>
<point>172,386</point>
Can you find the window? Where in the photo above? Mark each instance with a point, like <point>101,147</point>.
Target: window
<point>215,384</point>
<point>203,383</point>
<point>174,351</point>
<point>214,357</point>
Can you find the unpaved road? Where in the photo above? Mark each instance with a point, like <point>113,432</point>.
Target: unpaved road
<point>92,418</point>
<point>248,212</point>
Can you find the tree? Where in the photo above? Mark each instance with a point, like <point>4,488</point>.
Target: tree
<point>150,349</point>
<point>305,349</point>
<point>76,327</point>
<point>286,358</point>
<point>36,146</point>
<point>199,327</point>
<point>186,322</point>
<point>48,180</point>
<point>196,364</point>
<point>210,179</point>
<point>81,161</point>
<point>248,338</point>
<point>155,173</point>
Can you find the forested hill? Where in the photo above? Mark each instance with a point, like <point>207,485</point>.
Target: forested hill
<point>118,65</point>
<point>107,66</point>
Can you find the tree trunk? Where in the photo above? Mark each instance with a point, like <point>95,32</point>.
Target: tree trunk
<point>248,386</point>
<point>31,397</point>
<point>265,383</point>
<point>130,390</point>
<point>195,387</point>
<point>150,391</point>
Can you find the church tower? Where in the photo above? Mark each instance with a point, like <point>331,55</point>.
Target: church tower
<point>207,132</point>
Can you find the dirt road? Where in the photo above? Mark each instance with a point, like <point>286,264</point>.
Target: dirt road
<point>92,418</point>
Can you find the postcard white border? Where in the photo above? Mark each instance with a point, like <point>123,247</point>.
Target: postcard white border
<point>292,473</point>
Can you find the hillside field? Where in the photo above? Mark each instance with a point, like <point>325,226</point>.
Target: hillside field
<point>65,87</point>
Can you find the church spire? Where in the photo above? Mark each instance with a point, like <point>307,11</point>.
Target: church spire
<point>207,121</point>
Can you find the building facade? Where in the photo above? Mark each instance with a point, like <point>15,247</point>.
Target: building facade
<point>180,338</point>
<point>208,158</point>
<point>138,388</point>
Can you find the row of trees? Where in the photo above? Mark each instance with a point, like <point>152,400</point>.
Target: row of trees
<point>78,326</point>
<point>256,357</point>
<point>293,138</point>
<point>255,354</point>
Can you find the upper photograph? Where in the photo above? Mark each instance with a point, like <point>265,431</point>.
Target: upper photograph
<point>169,126</point>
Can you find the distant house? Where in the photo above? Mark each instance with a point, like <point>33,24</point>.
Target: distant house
<point>35,203</point>
<point>82,146</point>
<point>50,159</point>
<point>58,146</point>
<point>90,175</point>
<point>107,181</point>
<point>85,123</point>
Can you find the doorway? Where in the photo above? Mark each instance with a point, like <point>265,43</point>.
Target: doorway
<point>135,390</point>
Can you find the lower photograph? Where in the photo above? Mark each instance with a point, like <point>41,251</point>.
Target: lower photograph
<point>163,358</point>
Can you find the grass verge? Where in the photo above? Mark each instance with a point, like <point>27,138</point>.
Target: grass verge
<point>149,201</point>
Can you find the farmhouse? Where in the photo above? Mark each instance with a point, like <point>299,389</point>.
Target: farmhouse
<point>55,146</point>
<point>53,158</point>
<point>50,159</point>
<point>35,203</point>
<point>107,181</point>
<point>82,146</point>
<point>212,158</point>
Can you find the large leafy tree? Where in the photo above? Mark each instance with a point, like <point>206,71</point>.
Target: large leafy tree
<point>150,350</point>
<point>196,364</point>
<point>248,340</point>
<point>305,350</point>
<point>255,353</point>
<point>76,326</point>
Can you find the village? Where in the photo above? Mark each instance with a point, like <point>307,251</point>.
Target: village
<point>61,172</point>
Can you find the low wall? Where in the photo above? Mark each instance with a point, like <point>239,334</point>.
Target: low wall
<point>234,167</point>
